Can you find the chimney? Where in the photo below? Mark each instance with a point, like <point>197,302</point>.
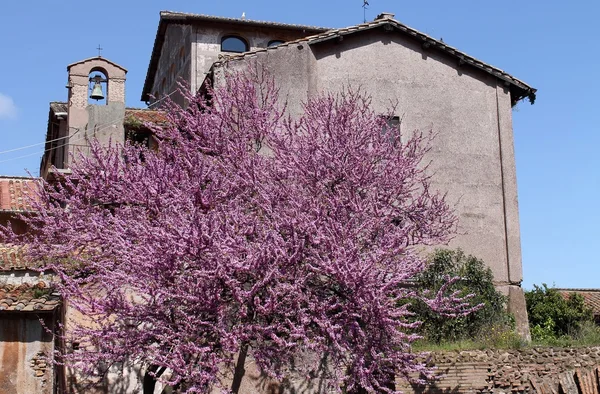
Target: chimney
<point>385,15</point>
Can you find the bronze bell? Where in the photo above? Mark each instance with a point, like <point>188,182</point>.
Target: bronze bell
<point>97,92</point>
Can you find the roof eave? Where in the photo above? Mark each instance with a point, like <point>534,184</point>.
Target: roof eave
<point>519,90</point>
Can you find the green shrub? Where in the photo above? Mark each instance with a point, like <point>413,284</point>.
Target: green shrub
<point>552,316</point>
<point>476,279</point>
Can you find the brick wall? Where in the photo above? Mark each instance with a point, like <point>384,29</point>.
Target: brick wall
<point>505,371</point>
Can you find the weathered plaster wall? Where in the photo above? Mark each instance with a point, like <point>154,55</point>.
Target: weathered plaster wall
<point>473,155</point>
<point>123,378</point>
<point>462,106</point>
<point>175,61</point>
<point>23,345</point>
<point>207,44</point>
<point>293,67</point>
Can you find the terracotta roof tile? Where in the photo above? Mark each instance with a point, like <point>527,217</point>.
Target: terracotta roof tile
<point>139,115</point>
<point>17,194</point>
<point>591,297</point>
<point>28,298</point>
<point>11,258</point>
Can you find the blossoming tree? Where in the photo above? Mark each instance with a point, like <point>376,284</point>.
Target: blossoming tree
<point>248,234</point>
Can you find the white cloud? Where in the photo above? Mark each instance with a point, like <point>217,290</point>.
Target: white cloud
<point>8,109</point>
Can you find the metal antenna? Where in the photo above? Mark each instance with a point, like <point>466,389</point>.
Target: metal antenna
<point>99,50</point>
<point>364,6</point>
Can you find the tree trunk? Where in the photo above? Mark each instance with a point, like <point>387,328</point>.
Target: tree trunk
<point>149,383</point>
<point>239,369</point>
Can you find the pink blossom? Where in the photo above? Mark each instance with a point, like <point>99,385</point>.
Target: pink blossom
<point>248,232</point>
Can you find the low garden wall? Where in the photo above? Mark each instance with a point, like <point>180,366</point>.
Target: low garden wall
<point>513,371</point>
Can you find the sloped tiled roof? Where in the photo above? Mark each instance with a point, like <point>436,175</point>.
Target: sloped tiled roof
<point>591,297</point>
<point>17,193</point>
<point>12,258</point>
<point>22,298</point>
<point>58,106</point>
<point>519,88</point>
<point>144,116</point>
<point>170,17</point>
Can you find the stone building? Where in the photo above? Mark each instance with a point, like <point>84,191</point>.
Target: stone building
<point>466,101</point>
<point>26,300</point>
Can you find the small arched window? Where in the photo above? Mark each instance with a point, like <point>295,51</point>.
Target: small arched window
<point>234,44</point>
<point>274,43</point>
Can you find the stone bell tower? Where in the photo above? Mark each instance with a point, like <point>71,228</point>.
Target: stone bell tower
<point>96,107</point>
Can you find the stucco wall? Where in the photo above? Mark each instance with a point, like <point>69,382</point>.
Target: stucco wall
<point>461,105</point>
<point>174,63</point>
<point>23,345</point>
<point>473,155</point>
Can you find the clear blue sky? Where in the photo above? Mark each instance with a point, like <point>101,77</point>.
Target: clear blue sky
<point>550,44</point>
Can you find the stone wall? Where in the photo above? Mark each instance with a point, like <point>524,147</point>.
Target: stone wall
<point>504,371</point>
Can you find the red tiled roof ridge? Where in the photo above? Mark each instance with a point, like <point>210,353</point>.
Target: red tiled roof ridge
<point>591,297</point>
<point>12,258</point>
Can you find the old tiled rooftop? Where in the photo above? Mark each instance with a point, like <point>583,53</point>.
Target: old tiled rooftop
<point>17,193</point>
<point>13,258</point>
<point>591,297</point>
<point>140,115</point>
<point>59,107</point>
<point>28,298</point>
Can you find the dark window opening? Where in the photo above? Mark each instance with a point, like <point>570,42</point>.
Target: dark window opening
<point>393,127</point>
<point>274,43</point>
<point>234,44</point>
<point>138,137</point>
<point>394,122</point>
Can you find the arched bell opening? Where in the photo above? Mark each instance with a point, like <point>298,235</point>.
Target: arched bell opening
<point>98,86</point>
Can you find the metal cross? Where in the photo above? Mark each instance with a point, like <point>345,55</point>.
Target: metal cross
<point>99,50</point>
